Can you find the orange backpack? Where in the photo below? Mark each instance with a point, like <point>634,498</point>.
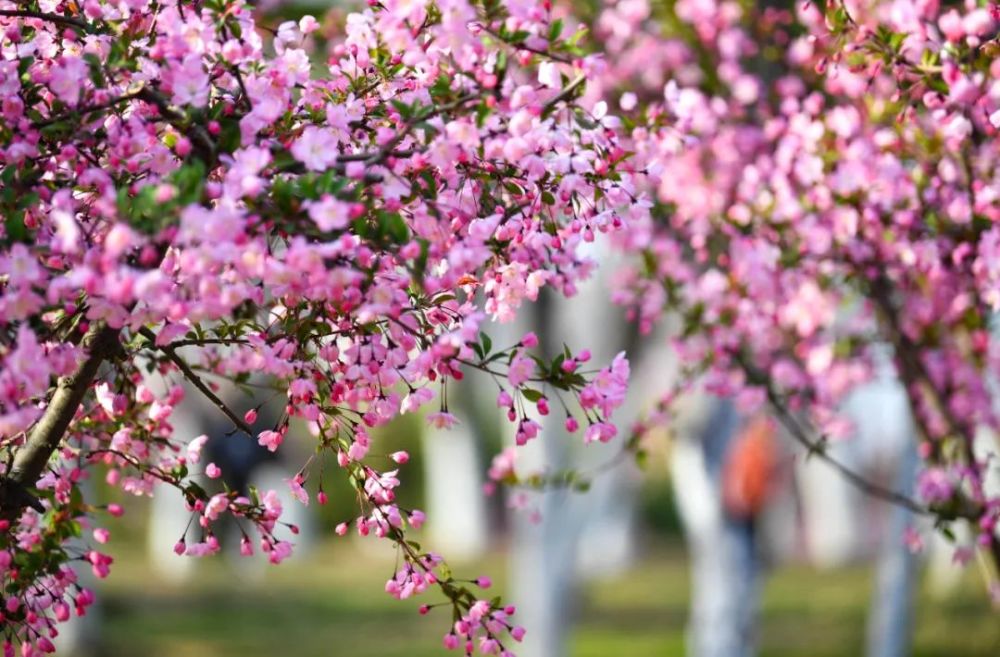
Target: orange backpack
<point>750,468</point>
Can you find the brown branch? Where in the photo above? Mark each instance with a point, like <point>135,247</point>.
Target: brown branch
<point>913,371</point>
<point>368,155</point>
<point>235,69</point>
<point>144,468</point>
<point>390,146</point>
<point>523,46</point>
<point>196,381</point>
<point>99,343</point>
<point>177,344</point>
<point>68,21</point>
<point>911,368</point>
<point>86,110</point>
<point>817,448</point>
<point>203,145</point>
<point>565,94</point>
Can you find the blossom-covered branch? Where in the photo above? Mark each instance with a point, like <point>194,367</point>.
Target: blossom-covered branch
<point>187,196</point>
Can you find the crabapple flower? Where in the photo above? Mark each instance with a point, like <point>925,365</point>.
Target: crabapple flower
<point>316,148</point>
<point>329,213</point>
<point>270,439</point>
<point>442,420</point>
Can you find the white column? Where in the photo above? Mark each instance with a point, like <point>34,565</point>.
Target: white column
<point>457,523</point>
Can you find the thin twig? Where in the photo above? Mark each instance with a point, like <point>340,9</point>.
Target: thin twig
<point>196,381</point>
<point>564,94</point>
<point>68,21</point>
<point>203,144</point>
<point>911,367</point>
<point>389,147</point>
<point>523,46</point>
<point>817,448</point>
<point>362,157</point>
<point>81,111</point>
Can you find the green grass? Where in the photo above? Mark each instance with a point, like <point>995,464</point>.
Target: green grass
<point>332,604</point>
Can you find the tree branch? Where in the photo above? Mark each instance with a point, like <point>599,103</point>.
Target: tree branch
<point>523,46</point>
<point>83,111</point>
<point>913,372</point>
<point>200,139</point>
<point>817,448</point>
<point>196,381</point>
<point>100,342</point>
<point>565,94</point>
<point>68,21</point>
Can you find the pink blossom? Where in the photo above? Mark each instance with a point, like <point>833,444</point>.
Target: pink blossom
<point>442,420</point>
<point>67,77</point>
<point>329,213</point>
<point>548,75</point>
<point>270,439</point>
<point>600,431</point>
<point>190,83</point>
<point>316,148</point>
<point>298,492</point>
<point>521,369</point>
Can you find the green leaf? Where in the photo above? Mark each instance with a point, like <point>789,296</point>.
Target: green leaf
<point>190,182</point>
<point>531,394</point>
<point>96,74</point>
<point>896,40</point>
<point>394,226</point>
<point>577,37</point>
<point>405,111</point>
<point>14,227</point>
<point>555,29</point>
<point>283,194</point>
<point>519,36</point>
<point>235,28</point>
<point>229,139</point>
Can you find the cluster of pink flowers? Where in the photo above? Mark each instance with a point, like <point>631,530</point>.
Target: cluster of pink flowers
<point>826,188</point>
<point>480,627</point>
<point>186,195</point>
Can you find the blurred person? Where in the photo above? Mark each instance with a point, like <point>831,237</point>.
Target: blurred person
<point>729,477</point>
<point>723,468</point>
